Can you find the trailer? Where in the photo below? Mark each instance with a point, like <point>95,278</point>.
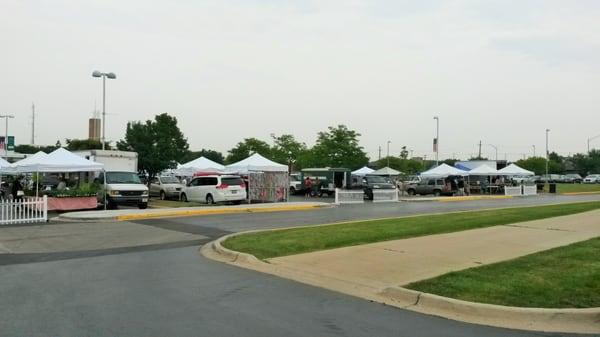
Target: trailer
<point>328,178</point>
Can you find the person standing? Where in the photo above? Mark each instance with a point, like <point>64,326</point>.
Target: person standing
<point>307,187</point>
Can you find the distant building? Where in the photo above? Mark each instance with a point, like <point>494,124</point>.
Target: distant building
<point>94,128</point>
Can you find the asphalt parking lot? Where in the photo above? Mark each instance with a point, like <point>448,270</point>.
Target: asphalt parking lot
<point>171,290</point>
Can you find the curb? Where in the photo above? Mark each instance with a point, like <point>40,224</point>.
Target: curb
<point>532,319</point>
<point>192,212</point>
<point>457,199</point>
<point>536,319</point>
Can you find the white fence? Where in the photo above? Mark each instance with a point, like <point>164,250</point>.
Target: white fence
<point>27,210</point>
<point>517,191</point>
<point>529,190</point>
<point>385,195</point>
<point>512,190</point>
<point>349,196</point>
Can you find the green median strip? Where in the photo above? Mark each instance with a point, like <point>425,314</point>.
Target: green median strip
<point>292,241</point>
<point>577,188</point>
<point>563,277</point>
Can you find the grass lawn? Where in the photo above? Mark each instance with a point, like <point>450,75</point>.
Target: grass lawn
<point>563,277</point>
<point>574,188</point>
<point>157,203</point>
<point>270,244</point>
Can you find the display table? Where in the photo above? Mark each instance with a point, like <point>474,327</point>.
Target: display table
<point>71,203</point>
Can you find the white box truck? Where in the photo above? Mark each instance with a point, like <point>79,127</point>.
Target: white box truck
<point>122,185</point>
<point>124,161</point>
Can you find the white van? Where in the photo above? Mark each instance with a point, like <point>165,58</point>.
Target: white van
<point>122,188</point>
<point>215,188</point>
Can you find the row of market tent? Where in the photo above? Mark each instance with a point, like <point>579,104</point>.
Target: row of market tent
<point>445,170</point>
<point>254,163</point>
<point>60,160</point>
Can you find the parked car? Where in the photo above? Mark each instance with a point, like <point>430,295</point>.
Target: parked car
<point>550,178</point>
<point>370,183</point>
<point>122,188</point>
<point>524,179</point>
<point>215,188</point>
<point>435,186</point>
<point>573,179</point>
<point>166,187</point>
<point>592,179</point>
<point>295,184</point>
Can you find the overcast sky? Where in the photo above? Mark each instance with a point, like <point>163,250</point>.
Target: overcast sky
<point>496,71</point>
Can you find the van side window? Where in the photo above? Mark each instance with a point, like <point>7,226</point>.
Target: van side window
<point>212,181</point>
<point>431,182</point>
<point>195,182</point>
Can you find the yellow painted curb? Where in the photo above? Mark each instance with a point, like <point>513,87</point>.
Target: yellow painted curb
<point>194,212</point>
<point>468,198</point>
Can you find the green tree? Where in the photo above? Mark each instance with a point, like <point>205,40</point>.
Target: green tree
<point>159,143</point>
<point>30,149</point>
<point>404,153</point>
<point>213,155</point>
<point>286,150</point>
<point>538,165</point>
<point>247,147</point>
<point>338,147</point>
<point>85,144</point>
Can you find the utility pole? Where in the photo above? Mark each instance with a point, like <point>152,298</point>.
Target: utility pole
<point>7,116</point>
<point>437,139</point>
<point>32,123</point>
<point>379,153</point>
<point>533,150</point>
<point>547,153</point>
<point>479,155</point>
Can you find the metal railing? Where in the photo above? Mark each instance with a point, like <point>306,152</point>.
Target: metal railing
<point>25,210</point>
<point>349,196</point>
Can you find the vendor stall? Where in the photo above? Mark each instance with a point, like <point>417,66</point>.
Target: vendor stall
<point>363,171</point>
<point>444,170</point>
<point>60,161</point>
<point>267,180</point>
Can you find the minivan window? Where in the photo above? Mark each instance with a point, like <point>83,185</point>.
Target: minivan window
<point>376,179</point>
<point>232,181</point>
<point>122,178</point>
<point>431,182</point>
<point>209,181</point>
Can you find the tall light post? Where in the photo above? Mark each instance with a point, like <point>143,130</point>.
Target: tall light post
<point>388,153</point>
<point>112,76</point>
<point>547,153</point>
<point>495,148</point>
<point>533,150</point>
<point>6,135</point>
<point>437,139</point>
<point>589,140</point>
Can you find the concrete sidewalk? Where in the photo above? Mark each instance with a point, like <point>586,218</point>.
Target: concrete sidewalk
<point>399,262</point>
<point>133,214</point>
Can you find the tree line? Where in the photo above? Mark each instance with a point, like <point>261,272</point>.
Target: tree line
<point>160,145</point>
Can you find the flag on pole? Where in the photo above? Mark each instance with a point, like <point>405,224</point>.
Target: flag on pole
<point>435,145</point>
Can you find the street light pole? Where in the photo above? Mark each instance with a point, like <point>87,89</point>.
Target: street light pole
<point>96,73</point>
<point>388,153</point>
<point>547,153</point>
<point>533,150</point>
<point>6,117</point>
<point>437,139</point>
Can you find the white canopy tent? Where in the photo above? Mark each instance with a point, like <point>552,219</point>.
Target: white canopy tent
<point>29,164</point>
<point>484,170</point>
<point>444,170</point>
<point>386,171</point>
<point>198,165</point>
<point>61,160</point>
<point>256,163</point>
<point>363,171</point>
<point>514,170</point>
